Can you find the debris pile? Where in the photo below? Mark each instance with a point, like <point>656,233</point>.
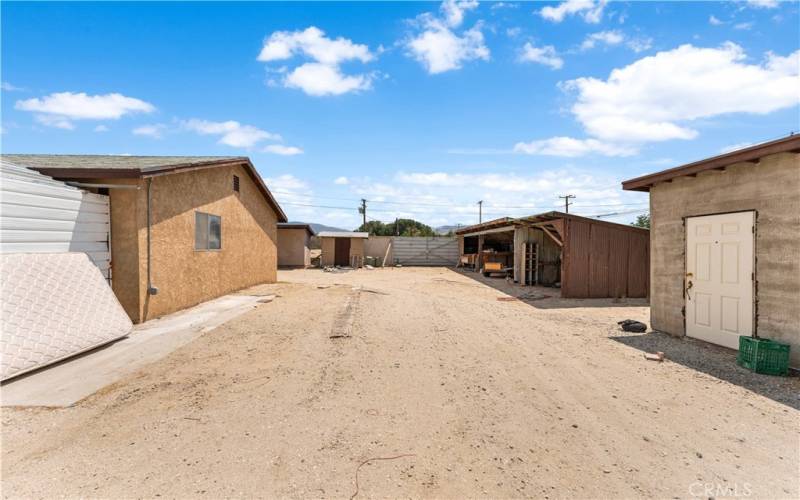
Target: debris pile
<point>630,325</point>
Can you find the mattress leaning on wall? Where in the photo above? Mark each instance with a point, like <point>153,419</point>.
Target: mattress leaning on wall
<point>54,306</point>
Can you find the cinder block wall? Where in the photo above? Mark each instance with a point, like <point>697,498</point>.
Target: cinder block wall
<point>773,189</point>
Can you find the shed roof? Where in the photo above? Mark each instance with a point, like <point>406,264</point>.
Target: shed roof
<point>297,225</point>
<point>342,234</point>
<point>751,154</point>
<point>67,167</point>
<point>543,217</point>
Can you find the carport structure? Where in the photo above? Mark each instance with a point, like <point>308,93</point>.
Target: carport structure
<point>587,258</point>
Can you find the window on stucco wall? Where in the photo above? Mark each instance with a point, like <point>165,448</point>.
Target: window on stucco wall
<point>207,231</point>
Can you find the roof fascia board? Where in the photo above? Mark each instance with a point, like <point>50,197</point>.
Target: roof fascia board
<point>752,154</point>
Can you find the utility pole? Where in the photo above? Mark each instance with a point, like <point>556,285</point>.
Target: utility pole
<point>480,211</point>
<point>567,203</point>
<point>396,227</point>
<point>363,211</point>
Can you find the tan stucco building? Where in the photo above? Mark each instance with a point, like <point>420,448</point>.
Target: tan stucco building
<point>725,245</point>
<point>342,248</point>
<point>183,229</point>
<point>294,241</point>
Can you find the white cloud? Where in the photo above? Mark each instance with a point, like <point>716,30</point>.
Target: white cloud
<point>571,148</point>
<point>546,55</point>
<point>282,150</point>
<point>54,121</point>
<point>504,5</point>
<point>61,108</point>
<point>156,130</point>
<point>286,182</point>
<point>323,76</point>
<point>312,43</point>
<point>714,21</point>
<point>501,188</point>
<point>639,44</point>
<point>616,37</point>
<point>743,26</point>
<point>653,98</point>
<point>763,4</point>
<point>448,197</point>
<point>296,195</point>
<point>612,37</point>
<point>439,48</point>
<point>590,10</point>
<point>321,79</point>
<point>735,147</point>
<point>232,133</point>
<point>101,128</point>
<point>7,87</point>
<point>342,181</point>
<point>453,10</point>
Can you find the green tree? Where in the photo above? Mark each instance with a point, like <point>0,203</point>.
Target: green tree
<point>373,227</point>
<point>403,227</point>
<point>642,221</point>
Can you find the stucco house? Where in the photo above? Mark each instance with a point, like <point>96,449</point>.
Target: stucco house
<point>184,229</point>
<point>342,248</point>
<point>294,240</point>
<point>725,245</point>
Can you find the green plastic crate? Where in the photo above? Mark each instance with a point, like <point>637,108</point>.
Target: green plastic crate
<point>763,355</point>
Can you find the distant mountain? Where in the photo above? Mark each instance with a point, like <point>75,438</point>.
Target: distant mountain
<point>320,227</point>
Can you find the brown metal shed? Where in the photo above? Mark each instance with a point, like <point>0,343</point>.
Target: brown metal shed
<point>597,258</point>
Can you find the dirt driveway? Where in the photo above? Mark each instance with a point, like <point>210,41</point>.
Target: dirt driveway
<point>452,392</point>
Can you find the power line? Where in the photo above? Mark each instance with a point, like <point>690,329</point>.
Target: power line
<point>363,210</point>
<point>447,212</point>
<point>567,202</point>
<point>450,204</point>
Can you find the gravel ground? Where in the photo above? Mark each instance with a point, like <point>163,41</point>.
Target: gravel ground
<point>418,383</point>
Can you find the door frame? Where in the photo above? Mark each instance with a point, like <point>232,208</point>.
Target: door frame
<point>754,280</point>
<point>341,242</point>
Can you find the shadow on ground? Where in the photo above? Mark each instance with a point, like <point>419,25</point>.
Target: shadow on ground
<point>542,297</point>
<point>717,361</point>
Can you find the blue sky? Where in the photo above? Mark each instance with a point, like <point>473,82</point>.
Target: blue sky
<point>422,108</point>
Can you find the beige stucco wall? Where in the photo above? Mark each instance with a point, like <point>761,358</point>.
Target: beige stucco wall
<point>293,248</point>
<point>329,248</point>
<point>377,246</point>
<point>184,276</point>
<point>125,245</point>
<point>772,188</point>
<point>327,251</point>
<point>357,250</point>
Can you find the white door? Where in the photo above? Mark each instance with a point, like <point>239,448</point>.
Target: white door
<point>719,277</point>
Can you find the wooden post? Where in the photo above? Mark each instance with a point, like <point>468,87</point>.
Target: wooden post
<point>519,254</point>
<point>479,260</point>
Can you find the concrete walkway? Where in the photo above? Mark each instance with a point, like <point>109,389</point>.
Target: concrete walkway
<point>66,383</point>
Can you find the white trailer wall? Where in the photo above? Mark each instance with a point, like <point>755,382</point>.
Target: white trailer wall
<point>41,215</point>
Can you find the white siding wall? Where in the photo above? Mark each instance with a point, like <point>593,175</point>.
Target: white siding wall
<point>42,215</point>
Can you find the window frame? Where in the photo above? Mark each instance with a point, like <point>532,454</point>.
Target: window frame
<point>208,219</point>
